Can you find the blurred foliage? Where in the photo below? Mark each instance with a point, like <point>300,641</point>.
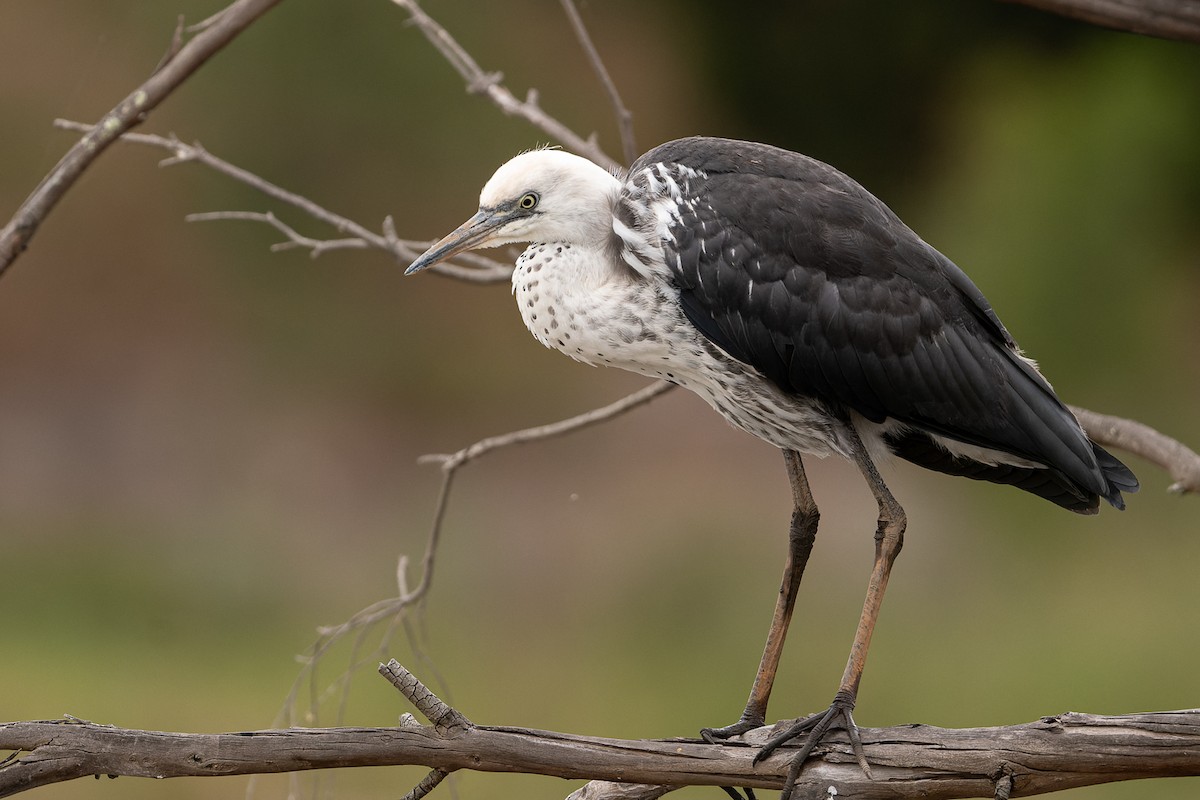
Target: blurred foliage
<point>207,450</point>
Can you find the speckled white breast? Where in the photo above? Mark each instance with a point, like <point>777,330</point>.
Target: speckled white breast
<point>575,302</point>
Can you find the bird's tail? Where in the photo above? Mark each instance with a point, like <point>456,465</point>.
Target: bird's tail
<point>1118,477</point>
<point>1047,482</point>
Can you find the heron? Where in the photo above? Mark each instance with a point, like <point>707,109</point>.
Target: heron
<point>805,312</point>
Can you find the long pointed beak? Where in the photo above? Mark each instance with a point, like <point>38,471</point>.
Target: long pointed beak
<point>472,234</point>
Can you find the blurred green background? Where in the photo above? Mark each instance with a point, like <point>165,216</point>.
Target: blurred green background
<point>207,449</point>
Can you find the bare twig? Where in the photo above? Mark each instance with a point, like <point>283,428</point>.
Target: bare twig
<point>451,462</point>
<point>447,720</point>
<point>909,761</point>
<point>393,610</point>
<point>620,110</point>
<point>429,783</point>
<point>175,45</point>
<point>15,236</point>
<point>1181,462</point>
<point>182,153</point>
<point>619,790</point>
<point>1166,19</point>
<point>295,239</point>
<point>390,610</point>
<point>477,268</point>
<point>489,84</point>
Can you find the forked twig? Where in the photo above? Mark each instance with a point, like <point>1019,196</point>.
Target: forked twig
<point>451,462</point>
<point>294,239</point>
<point>490,85</point>
<point>622,113</point>
<point>178,65</point>
<point>474,267</point>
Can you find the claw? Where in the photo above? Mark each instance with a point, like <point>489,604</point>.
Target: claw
<point>713,735</point>
<point>838,715</point>
<point>736,795</point>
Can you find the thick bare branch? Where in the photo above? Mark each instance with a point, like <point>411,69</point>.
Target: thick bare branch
<point>179,64</point>
<point>1166,19</point>
<point>910,761</point>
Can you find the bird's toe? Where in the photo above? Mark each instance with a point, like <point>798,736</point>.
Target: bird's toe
<point>814,728</point>
<point>714,735</point>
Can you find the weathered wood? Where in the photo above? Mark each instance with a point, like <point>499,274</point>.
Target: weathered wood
<point>908,761</point>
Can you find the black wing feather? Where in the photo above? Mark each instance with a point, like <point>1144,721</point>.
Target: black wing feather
<point>790,266</point>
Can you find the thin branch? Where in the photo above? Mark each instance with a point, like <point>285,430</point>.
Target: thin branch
<point>181,63</point>
<point>175,45</point>
<point>1166,19</point>
<point>471,267</point>
<point>451,462</point>
<point>294,240</point>
<point>448,721</point>
<point>619,790</point>
<point>620,110</point>
<point>428,784</point>
<point>1177,459</point>
<point>490,85</point>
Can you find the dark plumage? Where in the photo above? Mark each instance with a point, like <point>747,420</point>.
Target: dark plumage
<point>793,268</point>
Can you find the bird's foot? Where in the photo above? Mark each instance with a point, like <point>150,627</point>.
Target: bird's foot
<point>816,726</point>
<point>748,722</point>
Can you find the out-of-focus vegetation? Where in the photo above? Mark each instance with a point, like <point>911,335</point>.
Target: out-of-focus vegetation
<point>207,450</point>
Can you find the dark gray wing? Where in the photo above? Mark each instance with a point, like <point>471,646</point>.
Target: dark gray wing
<point>792,267</point>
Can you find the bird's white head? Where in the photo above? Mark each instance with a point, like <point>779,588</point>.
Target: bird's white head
<point>539,196</point>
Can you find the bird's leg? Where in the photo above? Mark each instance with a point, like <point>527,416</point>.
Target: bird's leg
<point>889,538</point>
<point>801,535</point>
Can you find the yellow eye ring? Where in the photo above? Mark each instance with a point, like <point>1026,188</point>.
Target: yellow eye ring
<point>528,201</point>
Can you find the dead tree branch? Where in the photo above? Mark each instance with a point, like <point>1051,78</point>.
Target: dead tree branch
<point>490,85</point>
<point>909,761</point>
<point>622,113</point>
<point>474,267</point>
<point>179,63</point>
<point>1177,459</point>
<point>1165,19</point>
<point>452,462</point>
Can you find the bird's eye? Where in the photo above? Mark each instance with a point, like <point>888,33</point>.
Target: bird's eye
<point>528,201</point>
